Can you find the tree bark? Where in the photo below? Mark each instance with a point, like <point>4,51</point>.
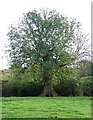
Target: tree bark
<point>48,91</point>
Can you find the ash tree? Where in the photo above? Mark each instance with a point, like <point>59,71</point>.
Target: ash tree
<point>44,38</point>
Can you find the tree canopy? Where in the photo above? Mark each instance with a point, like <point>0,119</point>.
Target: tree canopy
<point>45,39</point>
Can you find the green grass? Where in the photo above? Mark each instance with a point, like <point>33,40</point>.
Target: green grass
<point>5,74</point>
<point>46,107</point>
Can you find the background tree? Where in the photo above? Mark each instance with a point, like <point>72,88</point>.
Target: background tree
<point>82,46</point>
<point>45,39</point>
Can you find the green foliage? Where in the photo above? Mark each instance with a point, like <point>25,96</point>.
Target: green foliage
<point>42,52</point>
<point>85,77</point>
<point>67,83</point>
<point>10,88</point>
<point>22,88</point>
<point>42,42</point>
<point>87,85</point>
<point>85,68</point>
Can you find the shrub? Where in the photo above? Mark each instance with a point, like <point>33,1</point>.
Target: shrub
<point>15,88</point>
<point>67,88</point>
<point>87,85</point>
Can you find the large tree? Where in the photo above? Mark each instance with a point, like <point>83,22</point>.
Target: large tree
<point>44,38</point>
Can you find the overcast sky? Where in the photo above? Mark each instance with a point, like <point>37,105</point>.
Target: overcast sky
<point>11,10</point>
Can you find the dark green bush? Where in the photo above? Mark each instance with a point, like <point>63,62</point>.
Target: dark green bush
<point>13,88</point>
<point>31,89</point>
<point>82,86</point>
<point>87,85</point>
<point>67,88</point>
<point>10,88</point>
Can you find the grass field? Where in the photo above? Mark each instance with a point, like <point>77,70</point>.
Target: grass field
<point>46,107</point>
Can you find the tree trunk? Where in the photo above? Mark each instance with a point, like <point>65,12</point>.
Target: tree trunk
<point>48,91</point>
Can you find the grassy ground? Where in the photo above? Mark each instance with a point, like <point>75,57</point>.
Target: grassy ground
<point>46,107</point>
<point>5,74</point>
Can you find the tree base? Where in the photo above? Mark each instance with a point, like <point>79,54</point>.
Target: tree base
<point>48,91</point>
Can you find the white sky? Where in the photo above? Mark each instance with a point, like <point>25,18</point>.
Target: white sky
<point>11,10</point>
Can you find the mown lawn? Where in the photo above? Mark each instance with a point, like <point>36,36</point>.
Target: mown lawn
<point>46,107</point>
